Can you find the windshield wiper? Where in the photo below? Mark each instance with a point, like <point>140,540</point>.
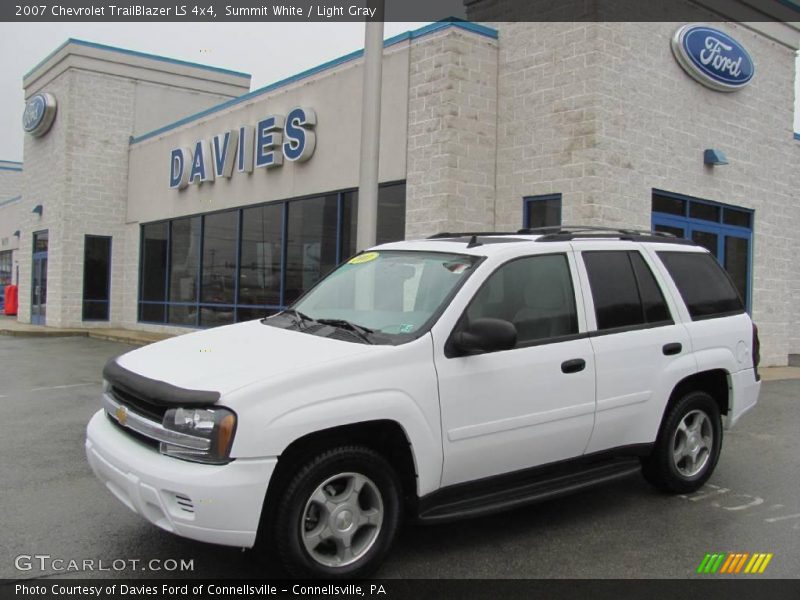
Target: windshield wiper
<point>361,331</point>
<point>300,319</point>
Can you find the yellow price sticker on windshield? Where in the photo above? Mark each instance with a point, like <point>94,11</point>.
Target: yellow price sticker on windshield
<point>363,258</point>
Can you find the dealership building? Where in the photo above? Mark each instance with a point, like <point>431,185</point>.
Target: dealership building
<point>158,194</point>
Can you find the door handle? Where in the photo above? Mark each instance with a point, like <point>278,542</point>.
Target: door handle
<point>670,349</point>
<point>573,366</point>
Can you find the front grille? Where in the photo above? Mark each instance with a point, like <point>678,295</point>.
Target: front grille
<point>138,404</point>
<point>135,434</point>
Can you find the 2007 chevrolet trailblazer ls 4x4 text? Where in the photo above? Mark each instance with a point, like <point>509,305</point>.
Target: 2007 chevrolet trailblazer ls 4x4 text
<point>443,378</point>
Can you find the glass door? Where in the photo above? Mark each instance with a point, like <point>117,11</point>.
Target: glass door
<point>39,279</point>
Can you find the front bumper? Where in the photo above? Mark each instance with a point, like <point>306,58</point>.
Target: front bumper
<point>220,504</point>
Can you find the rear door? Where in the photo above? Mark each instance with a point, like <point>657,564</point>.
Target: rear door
<point>641,352</point>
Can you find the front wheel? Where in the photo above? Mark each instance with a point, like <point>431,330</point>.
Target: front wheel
<point>688,446</point>
<point>339,515</point>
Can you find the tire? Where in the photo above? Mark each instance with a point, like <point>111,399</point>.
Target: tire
<point>346,497</point>
<point>688,445</point>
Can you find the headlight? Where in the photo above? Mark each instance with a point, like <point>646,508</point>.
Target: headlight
<point>217,425</point>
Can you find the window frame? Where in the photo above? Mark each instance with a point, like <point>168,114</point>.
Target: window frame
<point>110,270</point>
<point>529,201</point>
<point>165,303</point>
<point>576,296</point>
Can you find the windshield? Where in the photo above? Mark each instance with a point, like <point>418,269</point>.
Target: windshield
<point>389,295</point>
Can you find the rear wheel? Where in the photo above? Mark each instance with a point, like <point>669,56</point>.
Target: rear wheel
<point>688,446</point>
<point>339,515</point>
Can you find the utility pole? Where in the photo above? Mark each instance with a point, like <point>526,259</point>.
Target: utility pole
<point>370,129</point>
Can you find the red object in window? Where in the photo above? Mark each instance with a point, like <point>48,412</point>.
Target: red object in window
<point>11,300</point>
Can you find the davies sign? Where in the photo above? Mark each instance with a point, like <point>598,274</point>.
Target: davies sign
<point>713,58</point>
<point>266,145</point>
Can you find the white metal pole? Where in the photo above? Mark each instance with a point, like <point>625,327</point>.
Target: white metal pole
<point>370,132</point>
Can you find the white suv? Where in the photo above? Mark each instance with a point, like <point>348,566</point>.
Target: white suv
<point>443,378</point>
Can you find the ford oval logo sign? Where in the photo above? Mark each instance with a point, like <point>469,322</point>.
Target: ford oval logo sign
<point>39,113</point>
<point>713,58</point>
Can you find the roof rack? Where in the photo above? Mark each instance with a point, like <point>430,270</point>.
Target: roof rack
<point>560,233</point>
<point>460,234</point>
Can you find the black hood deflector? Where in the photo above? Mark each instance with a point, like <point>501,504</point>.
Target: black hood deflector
<point>155,391</point>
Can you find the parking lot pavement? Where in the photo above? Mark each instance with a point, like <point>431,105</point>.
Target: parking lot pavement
<point>52,504</point>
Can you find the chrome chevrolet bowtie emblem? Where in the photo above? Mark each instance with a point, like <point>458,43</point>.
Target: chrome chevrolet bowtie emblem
<point>122,415</point>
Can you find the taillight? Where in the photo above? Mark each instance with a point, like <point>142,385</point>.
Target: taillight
<point>756,351</point>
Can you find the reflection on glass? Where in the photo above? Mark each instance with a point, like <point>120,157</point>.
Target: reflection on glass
<point>706,240</point>
<point>213,316</point>
<point>283,249</point>
<point>669,205</point>
<point>219,257</point>
<point>392,292</point>
<point>707,212</point>
<point>260,262</point>
<point>154,262</point>
<point>676,231</point>
<point>391,217</point>
<point>310,243</point>
<point>184,260</point>
<point>736,253</point>
<point>96,277</point>
<point>543,212</point>
<point>740,218</point>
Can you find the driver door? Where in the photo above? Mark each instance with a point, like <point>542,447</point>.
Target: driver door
<point>534,404</point>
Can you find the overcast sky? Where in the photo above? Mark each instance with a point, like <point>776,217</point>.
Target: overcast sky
<point>250,47</point>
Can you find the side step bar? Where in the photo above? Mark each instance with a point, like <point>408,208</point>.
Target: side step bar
<point>465,501</point>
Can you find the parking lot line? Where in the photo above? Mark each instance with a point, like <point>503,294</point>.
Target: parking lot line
<point>61,387</point>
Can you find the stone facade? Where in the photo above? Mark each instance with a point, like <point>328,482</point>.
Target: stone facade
<point>602,113</point>
<point>452,134</point>
<point>78,171</point>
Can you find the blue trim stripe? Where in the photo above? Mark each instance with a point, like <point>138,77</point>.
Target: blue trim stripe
<point>173,61</point>
<point>409,35</point>
<point>10,168</point>
<point>796,135</point>
<point>11,162</point>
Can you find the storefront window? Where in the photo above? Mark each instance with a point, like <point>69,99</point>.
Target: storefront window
<point>153,279</point>
<point>220,233</point>
<point>260,262</point>
<point>247,263</point>
<point>96,277</point>
<point>5,268</point>
<point>184,260</point>
<point>310,243</point>
<point>391,217</point>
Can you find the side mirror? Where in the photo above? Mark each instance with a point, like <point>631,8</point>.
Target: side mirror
<point>485,335</point>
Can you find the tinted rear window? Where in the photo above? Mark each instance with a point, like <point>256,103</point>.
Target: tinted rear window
<point>624,290</point>
<point>705,287</point>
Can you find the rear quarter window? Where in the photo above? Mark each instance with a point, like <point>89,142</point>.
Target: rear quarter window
<point>705,287</point>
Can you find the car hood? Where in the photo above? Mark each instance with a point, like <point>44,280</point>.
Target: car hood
<point>224,359</point>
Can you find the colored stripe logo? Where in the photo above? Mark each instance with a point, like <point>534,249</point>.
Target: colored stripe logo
<point>735,563</point>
